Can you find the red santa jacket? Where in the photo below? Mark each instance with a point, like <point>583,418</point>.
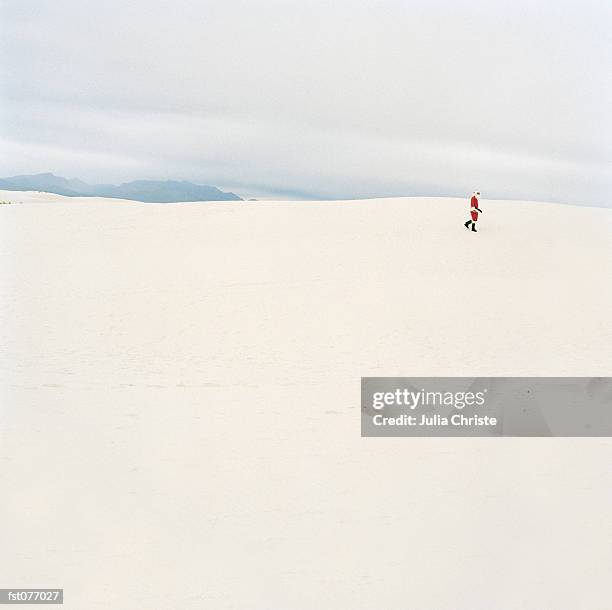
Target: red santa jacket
<point>474,208</point>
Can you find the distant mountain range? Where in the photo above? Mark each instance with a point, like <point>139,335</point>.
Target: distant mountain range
<point>151,191</point>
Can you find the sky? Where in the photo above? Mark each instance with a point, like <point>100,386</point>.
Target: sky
<point>313,98</point>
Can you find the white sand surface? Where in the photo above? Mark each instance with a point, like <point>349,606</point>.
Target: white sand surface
<point>180,418</point>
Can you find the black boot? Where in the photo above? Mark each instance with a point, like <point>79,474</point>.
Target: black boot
<point>474,228</point>
<point>467,224</point>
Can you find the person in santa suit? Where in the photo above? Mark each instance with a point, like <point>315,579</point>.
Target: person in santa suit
<point>474,209</point>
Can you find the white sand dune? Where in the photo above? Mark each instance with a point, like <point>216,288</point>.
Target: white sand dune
<point>180,404</point>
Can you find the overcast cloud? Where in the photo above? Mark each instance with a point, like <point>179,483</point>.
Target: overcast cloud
<point>338,99</point>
